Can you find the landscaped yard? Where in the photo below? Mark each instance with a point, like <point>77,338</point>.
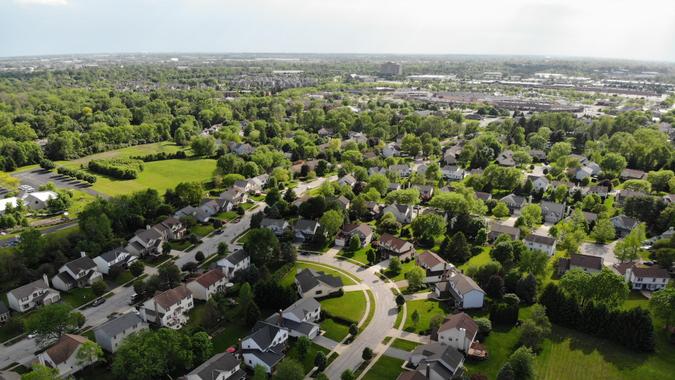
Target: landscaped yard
<point>158,175</point>
<point>426,309</point>
<point>401,275</point>
<point>478,260</point>
<point>359,255</point>
<point>123,278</point>
<point>289,278</point>
<point>226,216</point>
<point>308,361</point>
<point>78,296</point>
<point>202,230</point>
<point>180,245</point>
<point>334,330</point>
<point>385,368</point>
<point>404,345</point>
<point>350,307</point>
<point>229,336</point>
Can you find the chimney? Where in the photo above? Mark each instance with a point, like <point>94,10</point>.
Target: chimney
<point>428,372</point>
<point>281,318</point>
<point>462,339</point>
<point>83,253</point>
<point>45,278</point>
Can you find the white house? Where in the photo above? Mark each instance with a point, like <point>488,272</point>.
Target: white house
<point>79,273</point>
<point>278,226</point>
<point>146,242</point>
<point>169,308</point>
<point>539,183</point>
<point>63,355</point>
<point>111,334</point>
<point>117,257</point>
<point>453,173</point>
<point>236,261</point>
<point>647,278</point>
<point>400,170</point>
<point>541,243</point>
<point>311,283</point>
<point>208,284</point>
<point>264,346</point>
<point>222,366</point>
<point>463,289</point>
<point>32,295</point>
<point>300,319</point>
<point>458,331</point>
<point>38,200</point>
<point>552,212</point>
<point>404,214</point>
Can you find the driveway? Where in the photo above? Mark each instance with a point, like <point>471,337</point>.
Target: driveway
<point>303,187</point>
<point>606,251</point>
<point>39,177</point>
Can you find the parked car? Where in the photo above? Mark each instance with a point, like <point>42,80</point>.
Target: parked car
<point>97,302</point>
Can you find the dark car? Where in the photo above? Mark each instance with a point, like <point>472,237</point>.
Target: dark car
<point>97,302</point>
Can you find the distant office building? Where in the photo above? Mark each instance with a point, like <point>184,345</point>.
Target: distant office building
<point>391,69</point>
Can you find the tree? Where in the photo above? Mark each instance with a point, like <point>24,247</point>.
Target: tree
<point>262,245</point>
<point>185,194</point>
<point>506,372</point>
<point>628,249</point>
<point>456,249</point>
<point>260,373</point>
<point>51,321</point>
<point>245,295</point>
<point>379,182</point>
<point>354,243</point>
<point>503,253</point>
<point>331,221</point>
<point>31,246</point>
<point>536,328</point>
<point>137,268</point>
<point>367,354</point>
<point>533,261</point>
<point>99,287</point>
<point>395,265</point>
<point>484,326</point>
<point>202,346</point>
<point>199,256</point>
<point>415,317</point>
<point>501,210</point>
<point>530,215</point>
<point>495,287</point>
<point>320,360</point>
<point>348,374</point>
<point>252,314</point>
<point>604,287</point>
<point>522,362</point>
<point>409,196</point>
<point>203,145</point>
<point>612,164</point>
<point>662,304</point>
<point>88,353</point>
<point>416,277</point>
<point>426,227</point>
<point>558,150</point>
<point>526,288</point>
<point>222,249</point>
<point>400,300</point>
<point>353,329</point>
<point>169,276</point>
<point>436,321</point>
<point>41,372</point>
<point>303,344</point>
<point>604,231</point>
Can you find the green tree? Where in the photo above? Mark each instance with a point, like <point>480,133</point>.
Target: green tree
<point>530,215</point>
<point>331,221</point>
<point>628,249</point>
<point>395,265</point>
<point>99,287</point>
<point>367,354</point>
<point>501,210</point>
<point>263,246</point>
<point>456,249</point>
<point>354,243</point>
<point>320,360</point>
<point>169,276</point>
<point>416,277</point>
<point>612,164</point>
<point>662,304</point>
<point>203,145</point>
<point>558,150</point>
<point>31,246</point>
<point>426,227</point>
<point>603,231</point>
<point>522,362</point>
<point>353,329</point>
<point>51,321</point>
<point>348,374</point>
<point>88,353</point>
<point>153,354</point>
<point>202,346</point>
<point>533,261</point>
<point>405,197</point>
<point>400,300</point>
<point>415,317</point>
<point>303,344</point>
<point>136,268</point>
<point>41,372</point>
<point>536,328</point>
<point>379,182</point>
<point>506,372</point>
<point>289,369</point>
<point>260,373</point>
<point>604,287</point>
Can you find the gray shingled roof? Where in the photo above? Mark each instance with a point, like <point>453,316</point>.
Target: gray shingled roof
<point>118,325</point>
<point>223,362</point>
<point>81,264</point>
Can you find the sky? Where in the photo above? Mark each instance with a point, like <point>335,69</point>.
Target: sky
<point>642,30</point>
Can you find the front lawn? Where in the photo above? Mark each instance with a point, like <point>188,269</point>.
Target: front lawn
<point>404,345</point>
<point>358,255</point>
<point>78,296</point>
<point>123,278</point>
<point>405,267</point>
<point>227,216</point>
<point>385,368</point>
<point>180,245</point>
<point>426,309</point>
<point>350,307</point>
<point>308,361</point>
<point>202,230</point>
<point>334,330</point>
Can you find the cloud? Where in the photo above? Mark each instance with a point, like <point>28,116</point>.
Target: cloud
<point>42,2</point>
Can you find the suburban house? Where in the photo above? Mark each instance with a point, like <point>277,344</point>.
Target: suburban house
<point>146,242</point>
<point>632,174</point>
<point>111,334</point>
<point>240,149</point>
<point>376,170</point>
<point>434,266</point>
<point>278,226</point>
<point>646,278</point>
<point>222,366</point>
<point>538,155</point>
<point>450,157</point>
<point>4,313</point>
<point>201,214</point>
<point>393,186</point>
<point>348,180</point>
<point>169,308</point>
<point>404,214</point>
<point>552,212</point>
<point>623,195</point>
<point>362,230</point>
<point>624,224</point>
<point>63,355</point>
<point>311,283</point>
<point>540,243</point>
<point>171,229</point>
<point>115,258</point>
<point>436,361</point>
<point>514,202</point>
<point>505,158</point>
<point>426,192</point>
<point>305,229</point>
<point>300,319</point>
<point>343,201</point>
<point>462,289</point>
<point>79,273</point>
<point>601,191</point>
<point>586,263</point>
<point>458,331</point>
<point>234,262</point>
<point>208,284</point>
<point>483,196</point>
<point>391,150</point>
<point>389,245</point>
<point>539,183</point>
<point>235,196</point>
<point>496,229</point>
<point>582,173</point>
<point>453,173</point>
<point>265,346</point>
<point>38,200</point>
<point>31,295</point>
<point>374,209</point>
<point>400,170</point>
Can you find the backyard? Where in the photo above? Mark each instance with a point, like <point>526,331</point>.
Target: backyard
<point>385,368</point>
<point>426,309</point>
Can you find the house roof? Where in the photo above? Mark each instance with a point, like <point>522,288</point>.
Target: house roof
<point>148,234</point>
<point>540,239</point>
<point>112,255</point>
<point>28,289</point>
<point>633,173</point>
<point>483,196</point>
<point>460,321</point>
<point>429,259</point>
<point>302,307</point>
<point>362,228</point>
<point>624,222</point>
<point>81,264</point>
<point>513,199</point>
<point>308,279</point>
<point>171,297</point>
<point>269,222</point>
<point>263,334</point>
<point>552,208</point>
<point>306,225</point>
<point>44,196</point>
<point>120,324</point>
<point>503,229</point>
<point>653,271</point>
<point>210,278</point>
<point>222,362</point>
<point>236,257</point>
<point>586,261</point>
<point>464,284</point>
<point>393,243</point>
<point>447,356</point>
<point>65,347</point>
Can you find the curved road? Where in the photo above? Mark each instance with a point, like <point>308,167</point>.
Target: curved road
<point>381,324</point>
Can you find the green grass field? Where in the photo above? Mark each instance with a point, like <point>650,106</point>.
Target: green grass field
<point>289,278</point>
<point>359,255</point>
<point>478,260</point>
<point>426,309</point>
<point>138,150</point>
<point>308,361</point>
<point>334,330</point>
<point>385,368</point>
<point>350,307</point>
<point>371,311</point>
<point>401,275</point>
<point>404,345</point>
<point>202,230</point>
<point>228,336</point>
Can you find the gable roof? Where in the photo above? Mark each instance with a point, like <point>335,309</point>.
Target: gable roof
<point>210,278</point>
<point>236,257</point>
<point>269,222</point>
<point>120,324</point>
<point>302,307</point>
<point>540,239</point>
<point>513,199</point>
<point>306,225</point>
<point>65,347</point>
<point>430,259</point>
<point>222,362</point>
<point>653,271</point>
<point>586,261</point>
<point>548,207</point>
<point>28,289</point>
<point>460,321</point>
<point>464,284</point>
<point>308,279</point>
<point>391,242</point>
<point>263,334</point>
<point>112,255</point>
<point>171,297</point>
<point>81,264</point>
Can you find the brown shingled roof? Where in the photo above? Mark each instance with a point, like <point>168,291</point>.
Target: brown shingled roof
<point>429,259</point>
<point>460,320</point>
<point>65,347</point>
<point>586,261</point>
<point>211,277</point>
<point>172,296</point>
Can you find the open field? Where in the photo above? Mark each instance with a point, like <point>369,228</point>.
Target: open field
<point>137,150</point>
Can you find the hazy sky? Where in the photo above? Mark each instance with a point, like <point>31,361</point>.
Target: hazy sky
<point>643,29</point>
